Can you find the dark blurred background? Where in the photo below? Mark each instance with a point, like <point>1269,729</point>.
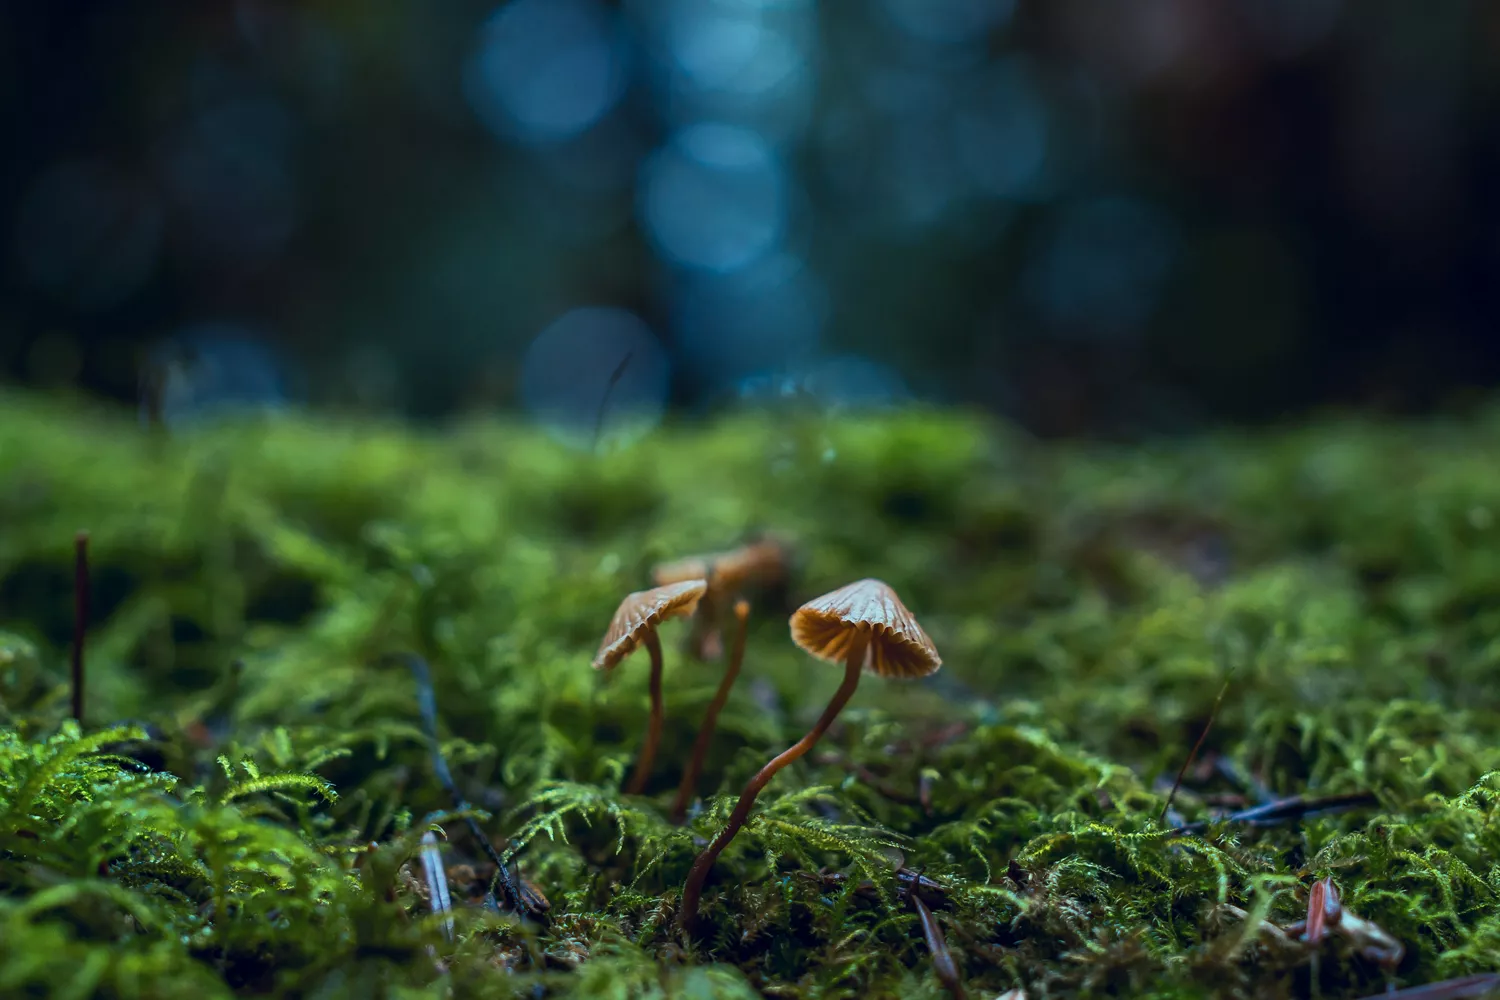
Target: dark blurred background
<point>1095,218</point>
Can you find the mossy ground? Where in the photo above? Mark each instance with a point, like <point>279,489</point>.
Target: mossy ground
<point>1088,602</point>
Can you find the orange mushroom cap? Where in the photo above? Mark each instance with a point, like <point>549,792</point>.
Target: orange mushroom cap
<point>761,561</point>
<point>681,570</point>
<point>825,626</point>
<point>758,562</point>
<point>641,612</point>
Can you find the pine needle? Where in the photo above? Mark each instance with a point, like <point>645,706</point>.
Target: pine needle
<point>1193,754</point>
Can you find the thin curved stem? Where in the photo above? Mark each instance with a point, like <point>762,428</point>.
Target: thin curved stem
<point>653,728</point>
<point>711,717</point>
<point>692,890</point>
<point>703,641</point>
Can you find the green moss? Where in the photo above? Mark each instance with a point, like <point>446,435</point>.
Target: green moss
<point>1088,601</point>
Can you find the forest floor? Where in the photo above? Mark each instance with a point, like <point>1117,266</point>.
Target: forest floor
<point>242,809</point>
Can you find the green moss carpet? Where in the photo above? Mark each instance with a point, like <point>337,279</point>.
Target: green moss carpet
<point>241,810</point>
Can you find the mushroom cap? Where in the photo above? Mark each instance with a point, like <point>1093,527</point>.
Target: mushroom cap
<point>760,561</point>
<point>682,570</point>
<point>826,625</point>
<point>641,612</point>
<point>757,562</point>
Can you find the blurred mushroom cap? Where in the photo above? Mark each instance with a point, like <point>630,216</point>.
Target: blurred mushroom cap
<point>761,561</point>
<point>681,570</point>
<point>641,612</point>
<point>826,625</point>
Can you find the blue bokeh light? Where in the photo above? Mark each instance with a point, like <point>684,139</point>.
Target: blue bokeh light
<point>917,147</point>
<point>714,197</point>
<point>546,70</point>
<point>595,377</point>
<point>780,63</point>
<point>712,44</point>
<point>948,21</point>
<point>734,49</point>
<point>765,316</point>
<point>211,370</point>
<point>738,62</point>
<point>851,382</point>
<point>830,384</point>
<point>1000,134</point>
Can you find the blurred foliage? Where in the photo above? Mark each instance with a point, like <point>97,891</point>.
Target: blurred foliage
<point>1139,218</point>
<point>242,811</point>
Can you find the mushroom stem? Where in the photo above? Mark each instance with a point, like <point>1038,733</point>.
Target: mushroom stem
<point>703,641</point>
<point>653,728</point>
<point>692,890</point>
<point>711,717</point>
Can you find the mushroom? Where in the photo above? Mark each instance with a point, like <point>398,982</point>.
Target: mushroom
<point>635,623</point>
<point>711,717</point>
<point>762,561</point>
<point>864,625</point>
<point>727,573</point>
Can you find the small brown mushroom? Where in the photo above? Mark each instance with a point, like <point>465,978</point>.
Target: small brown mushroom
<point>761,562</point>
<point>727,573</point>
<point>711,717</point>
<point>681,570</point>
<point>864,625</point>
<point>635,624</point>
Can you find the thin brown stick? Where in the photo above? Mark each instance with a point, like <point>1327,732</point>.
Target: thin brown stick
<point>1212,714</point>
<point>711,717</point>
<point>934,894</point>
<point>692,890</point>
<point>1285,810</point>
<point>942,959</point>
<point>80,617</point>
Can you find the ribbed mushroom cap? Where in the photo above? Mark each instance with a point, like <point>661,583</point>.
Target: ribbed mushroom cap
<point>642,611</point>
<point>825,626</point>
